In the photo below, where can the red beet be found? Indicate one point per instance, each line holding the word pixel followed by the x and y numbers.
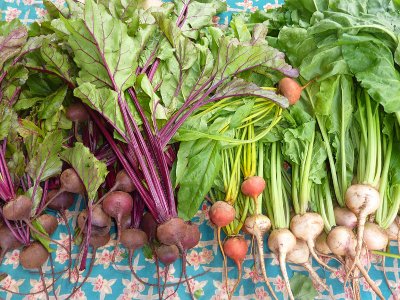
pixel 18 209
pixel 253 187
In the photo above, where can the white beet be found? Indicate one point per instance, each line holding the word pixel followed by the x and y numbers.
pixel 393 230
pixel 281 242
pixel 299 254
pixel 321 246
pixel 308 227
pixel 342 241
pixel 375 238
pixel 258 226
pixel 345 217
pixel 362 200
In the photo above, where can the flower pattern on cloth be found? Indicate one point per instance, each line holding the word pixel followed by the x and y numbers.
pixel 114 280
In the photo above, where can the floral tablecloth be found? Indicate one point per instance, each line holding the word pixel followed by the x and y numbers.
pixel 114 281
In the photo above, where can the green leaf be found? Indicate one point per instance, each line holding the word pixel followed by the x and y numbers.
pixel 44 241
pixel 91 171
pixel 57 61
pixel 373 66
pixel 155 106
pixel 106 55
pixel 52 103
pixel 105 101
pixel 204 164
pixel 45 162
pixel 302 287
pixel 12 39
pixel 147 252
pixel 29 128
pixel 35 198
pixel 240 88
pixel 8 119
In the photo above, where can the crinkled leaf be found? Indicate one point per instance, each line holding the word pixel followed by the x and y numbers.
pixel 28 128
pixel 373 66
pixel 45 162
pixel 8 118
pixel 105 53
pixel 91 171
pixel 235 57
pixel 103 100
pixel 52 104
pixel 57 61
pixel 240 88
pixel 318 158
pixel 203 166
pixel 12 40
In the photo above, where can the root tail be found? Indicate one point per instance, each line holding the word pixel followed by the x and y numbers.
pixel 282 264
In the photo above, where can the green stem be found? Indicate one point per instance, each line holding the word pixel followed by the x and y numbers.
pixel 387 254
pixel 305 178
pixel 325 138
pixel 381 212
pixel 295 188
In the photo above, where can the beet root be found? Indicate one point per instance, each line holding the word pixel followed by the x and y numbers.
pixel 149 225
pixel 18 209
pixel 236 249
pixel 222 213
pixel 133 239
pixel 77 112
pixel 118 204
pixel 290 89
pixel 101 222
pixel 33 256
pixel 192 236
pixel 71 182
pixel 62 201
pixel 253 186
pixel 49 223
pixel 172 232
pixel 7 241
pixel 167 254
pixel 123 182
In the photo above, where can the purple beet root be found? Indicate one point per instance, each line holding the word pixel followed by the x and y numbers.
pixel 192 237
pixel 172 232
pixel 167 254
pixel 18 209
pixel 149 225
pixel 62 201
pixel 48 222
pixel 117 205
pixel 33 256
pixel 7 241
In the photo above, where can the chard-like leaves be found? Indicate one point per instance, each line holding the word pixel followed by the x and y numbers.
pixel 105 101
pixel 241 88
pixel 374 67
pixel 91 171
pixel 8 118
pixel 105 53
pixel 45 162
pixel 201 161
pixel 13 38
pixel 58 62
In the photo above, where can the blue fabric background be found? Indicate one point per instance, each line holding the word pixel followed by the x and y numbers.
pixel 114 281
